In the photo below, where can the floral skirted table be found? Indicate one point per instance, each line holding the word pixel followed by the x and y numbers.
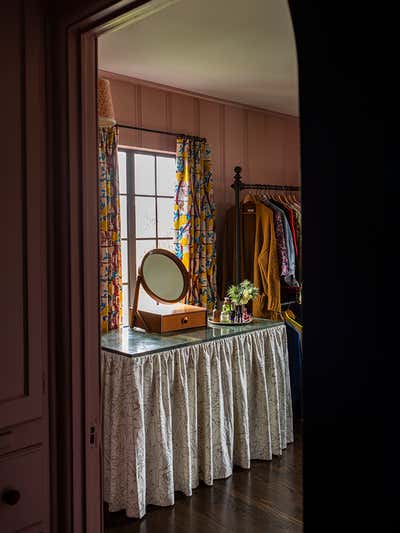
pixel 180 408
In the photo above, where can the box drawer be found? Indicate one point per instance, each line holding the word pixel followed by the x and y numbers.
pixel 22 490
pixel 183 321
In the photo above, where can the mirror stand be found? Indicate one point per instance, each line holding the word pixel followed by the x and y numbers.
pixel 165 279
pixel 135 317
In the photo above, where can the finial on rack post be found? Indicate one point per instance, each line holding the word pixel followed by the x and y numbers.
pixel 237 175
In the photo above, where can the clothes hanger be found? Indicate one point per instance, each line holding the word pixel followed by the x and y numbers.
pixel 248 198
pixel 280 198
pixel 248 204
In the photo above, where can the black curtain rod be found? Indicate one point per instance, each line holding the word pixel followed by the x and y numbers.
pixel 162 132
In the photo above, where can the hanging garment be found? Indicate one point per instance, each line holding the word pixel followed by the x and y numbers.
pixel 290 319
pixel 266 266
pixel 290 217
pixel 227 272
pixel 290 279
pixel 280 237
pixel 295 369
pixel 110 230
pixel 297 226
pixel 194 219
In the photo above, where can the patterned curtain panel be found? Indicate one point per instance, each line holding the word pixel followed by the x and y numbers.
pixel 194 219
pixel 110 231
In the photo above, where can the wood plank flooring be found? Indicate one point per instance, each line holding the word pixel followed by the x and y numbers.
pixel 268 498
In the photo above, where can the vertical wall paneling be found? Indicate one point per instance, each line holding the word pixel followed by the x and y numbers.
pixel 257 160
pixel 183 114
pixel 154 116
pixel 124 102
pixel 234 143
pixel 196 113
pixel 246 141
pixel 138 122
pixel 291 158
pixel 274 148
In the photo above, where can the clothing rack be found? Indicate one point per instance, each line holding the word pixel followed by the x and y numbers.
pixel 238 186
pixel 161 132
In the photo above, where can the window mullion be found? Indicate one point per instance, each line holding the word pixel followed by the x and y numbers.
pixel 130 175
pixel 155 197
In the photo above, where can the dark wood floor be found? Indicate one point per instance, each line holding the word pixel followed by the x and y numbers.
pixel 268 498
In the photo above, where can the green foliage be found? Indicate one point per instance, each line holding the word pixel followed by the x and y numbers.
pixel 242 293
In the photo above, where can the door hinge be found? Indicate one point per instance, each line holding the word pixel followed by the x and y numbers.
pixel 93 436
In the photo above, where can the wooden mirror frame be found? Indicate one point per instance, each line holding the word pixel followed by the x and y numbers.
pixel 140 281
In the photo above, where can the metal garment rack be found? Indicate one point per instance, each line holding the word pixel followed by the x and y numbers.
pixel 126 126
pixel 238 186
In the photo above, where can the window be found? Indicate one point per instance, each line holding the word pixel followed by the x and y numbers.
pixel 147 188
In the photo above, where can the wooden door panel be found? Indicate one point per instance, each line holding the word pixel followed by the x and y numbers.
pixel 31 503
pixel 23 142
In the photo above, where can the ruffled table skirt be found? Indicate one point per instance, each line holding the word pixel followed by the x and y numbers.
pixel 173 418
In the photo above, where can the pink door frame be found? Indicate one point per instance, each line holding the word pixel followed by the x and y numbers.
pixel 75 404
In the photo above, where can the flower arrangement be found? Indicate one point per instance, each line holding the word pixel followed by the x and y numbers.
pixel 244 292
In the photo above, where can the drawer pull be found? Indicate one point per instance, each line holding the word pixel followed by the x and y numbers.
pixel 185 320
pixel 11 496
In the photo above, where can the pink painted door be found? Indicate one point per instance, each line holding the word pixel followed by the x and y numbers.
pixel 23 397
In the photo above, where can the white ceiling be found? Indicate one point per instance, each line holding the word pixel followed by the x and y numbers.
pixel 243 51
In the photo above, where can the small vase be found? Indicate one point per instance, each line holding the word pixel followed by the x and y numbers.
pixel 238 314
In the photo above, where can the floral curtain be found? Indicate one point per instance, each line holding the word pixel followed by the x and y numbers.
pixel 110 234
pixel 194 219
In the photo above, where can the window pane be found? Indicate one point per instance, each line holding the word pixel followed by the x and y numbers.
pixel 145 216
pixel 165 212
pixel 125 296
pixel 124 253
pixel 125 316
pixel 142 247
pixel 167 245
pixel 166 176
pixel 122 172
pixel 144 174
pixel 124 217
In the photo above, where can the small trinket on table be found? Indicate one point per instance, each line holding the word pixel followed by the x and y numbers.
pixel 216 313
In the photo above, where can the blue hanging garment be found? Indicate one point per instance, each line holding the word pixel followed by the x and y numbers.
pixel 295 369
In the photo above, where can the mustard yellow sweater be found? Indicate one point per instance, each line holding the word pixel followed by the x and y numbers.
pixel 266 266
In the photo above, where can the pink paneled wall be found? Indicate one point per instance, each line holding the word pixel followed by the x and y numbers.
pixel 265 144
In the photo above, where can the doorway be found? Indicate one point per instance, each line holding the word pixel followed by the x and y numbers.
pixel 233 123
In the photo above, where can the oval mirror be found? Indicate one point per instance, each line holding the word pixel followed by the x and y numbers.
pixel 164 276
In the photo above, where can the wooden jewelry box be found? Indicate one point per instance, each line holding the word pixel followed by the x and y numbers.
pixel 163 318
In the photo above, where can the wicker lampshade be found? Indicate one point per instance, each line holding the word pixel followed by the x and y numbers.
pixel 105 107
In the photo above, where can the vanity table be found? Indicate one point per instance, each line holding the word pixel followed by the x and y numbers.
pixel 183 407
